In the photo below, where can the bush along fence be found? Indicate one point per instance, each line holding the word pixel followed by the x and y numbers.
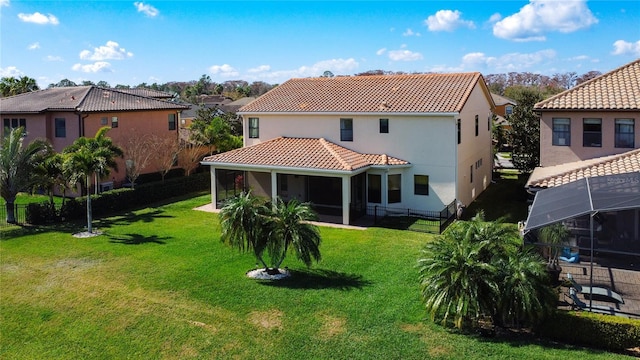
pixel 111 201
pixel 20 213
pixel 411 219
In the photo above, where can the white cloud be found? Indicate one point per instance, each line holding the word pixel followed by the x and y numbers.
pixel 98 66
pixel 34 46
pixel 53 58
pixel 447 20
pixel 495 18
pixel 622 47
pixel 146 9
pixel 381 51
pixel 404 55
pixel 224 70
pixel 4 2
pixel 542 16
pixel 10 71
pixel 507 62
pixel 260 69
pixel 110 51
pixel 38 18
pixel 410 32
pixel 336 66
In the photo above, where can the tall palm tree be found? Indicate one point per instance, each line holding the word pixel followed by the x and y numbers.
pixel 88 156
pixel 243 220
pixel 16 167
pixel 290 229
pixel 49 172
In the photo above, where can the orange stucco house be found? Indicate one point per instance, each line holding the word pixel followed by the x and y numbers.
pixel 64 114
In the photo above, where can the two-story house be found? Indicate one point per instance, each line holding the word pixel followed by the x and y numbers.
pixel 348 144
pixel 63 114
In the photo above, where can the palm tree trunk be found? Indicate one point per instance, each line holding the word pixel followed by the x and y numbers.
pixel 11 216
pixel 89 227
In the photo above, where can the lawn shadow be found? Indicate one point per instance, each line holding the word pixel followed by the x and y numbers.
pixel 132 217
pixel 21 230
pixel 320 279
pixel 136 239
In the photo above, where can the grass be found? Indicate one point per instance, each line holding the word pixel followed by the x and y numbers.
pixel 159 284
pixel 506 198
pixel 23 199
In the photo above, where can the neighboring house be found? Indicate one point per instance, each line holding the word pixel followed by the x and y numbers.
pixel 504 105
pixel 63 114
pixel 587 132
pixel 349 144
pixel 157 94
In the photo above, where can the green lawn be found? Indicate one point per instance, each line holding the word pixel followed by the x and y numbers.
pixel 23 199
pixel 158 284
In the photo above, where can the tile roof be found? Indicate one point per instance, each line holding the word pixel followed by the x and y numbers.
pixel 305 153
pixel 415 93
pixel 82 98
pixel 502 100
pixel 615 90
pixel 147 93
pixel 546 177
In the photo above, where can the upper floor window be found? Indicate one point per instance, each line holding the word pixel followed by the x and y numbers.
pixel 15 123
pixel 561 132
pixel 114 122
pixel 374 188
pixel 104 121
pixel 421 184
pixel 346 129
pixel 477 128
pixel 459 131
pixel 508 110
pixel 384 126
pixel 254 128
pixel 61 127
pixel 592 132
pixel 172 121
pixel 625 133
pixel 394 185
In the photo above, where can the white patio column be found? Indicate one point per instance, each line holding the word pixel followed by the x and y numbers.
pixel 274 186
pixel 213 187
pixel 346 198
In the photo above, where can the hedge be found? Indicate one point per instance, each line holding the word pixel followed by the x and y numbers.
pixel 607 332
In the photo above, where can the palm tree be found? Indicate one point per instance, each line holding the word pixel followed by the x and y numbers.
pixel 49 172
pixel 243 221
pixel 290 229
pixel 88 156
pixel 16 167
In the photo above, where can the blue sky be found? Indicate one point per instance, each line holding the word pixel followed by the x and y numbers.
pixel 130 42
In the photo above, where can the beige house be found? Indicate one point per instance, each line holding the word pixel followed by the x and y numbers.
pixel 353 144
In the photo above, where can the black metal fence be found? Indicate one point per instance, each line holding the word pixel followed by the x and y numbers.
pixel 20 213
pixel 411 219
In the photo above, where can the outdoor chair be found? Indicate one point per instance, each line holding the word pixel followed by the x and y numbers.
pixel 598 291
pixel 568 256
pixel 600 309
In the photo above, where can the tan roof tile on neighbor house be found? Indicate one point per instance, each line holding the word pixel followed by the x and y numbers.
pixel 546 177
pixel 303 153
pixel 414 93
pixel 615 90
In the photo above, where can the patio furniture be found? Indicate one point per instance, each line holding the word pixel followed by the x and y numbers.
pixel 570 257
pixel 600 309
pixel 595 290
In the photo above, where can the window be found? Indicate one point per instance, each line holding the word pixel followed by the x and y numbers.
pixel 374 189
pixel 172 121
pixel 471 174
pixel 561 132
pixel 254 128
pixel 114 122
pixel 384 126
pixel 421 184
pixel 477 130
pixel 625 133
pixel 346 129
pixel 592 132
pixel 61 127
pixel 489 123
pixel 284 182
pixel 104 121
pixel 15 123
pixel 394 185
pixel 508 110
pixel 459 131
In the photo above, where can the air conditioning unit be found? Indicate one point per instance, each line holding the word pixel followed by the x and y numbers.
pixel 106 186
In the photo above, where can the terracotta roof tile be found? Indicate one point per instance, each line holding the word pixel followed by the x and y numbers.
pixel 415 93
pixel 82 98
pixel 302 153
pixel 546 177
pixel 615 90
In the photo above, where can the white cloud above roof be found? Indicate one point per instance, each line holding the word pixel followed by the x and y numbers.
pixel 410 32
pixel 38 18
pixel 447 20
pixel 539 17
pixel 404 55
pixel 10 71
pixel 223 70
pixel 98 66
pixel 53 58
pixel 146 9
pixel 507 62
pixel 110 51
pixel 259 69
pixel 34 46
pixel 622 47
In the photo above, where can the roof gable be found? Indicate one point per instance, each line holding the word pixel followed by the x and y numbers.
pixel 414 93
pixel 616 90
pixel 84 99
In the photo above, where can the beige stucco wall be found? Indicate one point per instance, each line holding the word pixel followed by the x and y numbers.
pixel 553 155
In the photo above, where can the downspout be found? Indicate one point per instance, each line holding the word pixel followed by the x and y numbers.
pixel 456 145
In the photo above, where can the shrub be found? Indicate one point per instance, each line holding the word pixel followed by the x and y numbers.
pixel 38 214
pixel 73 209
pixel 608 332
